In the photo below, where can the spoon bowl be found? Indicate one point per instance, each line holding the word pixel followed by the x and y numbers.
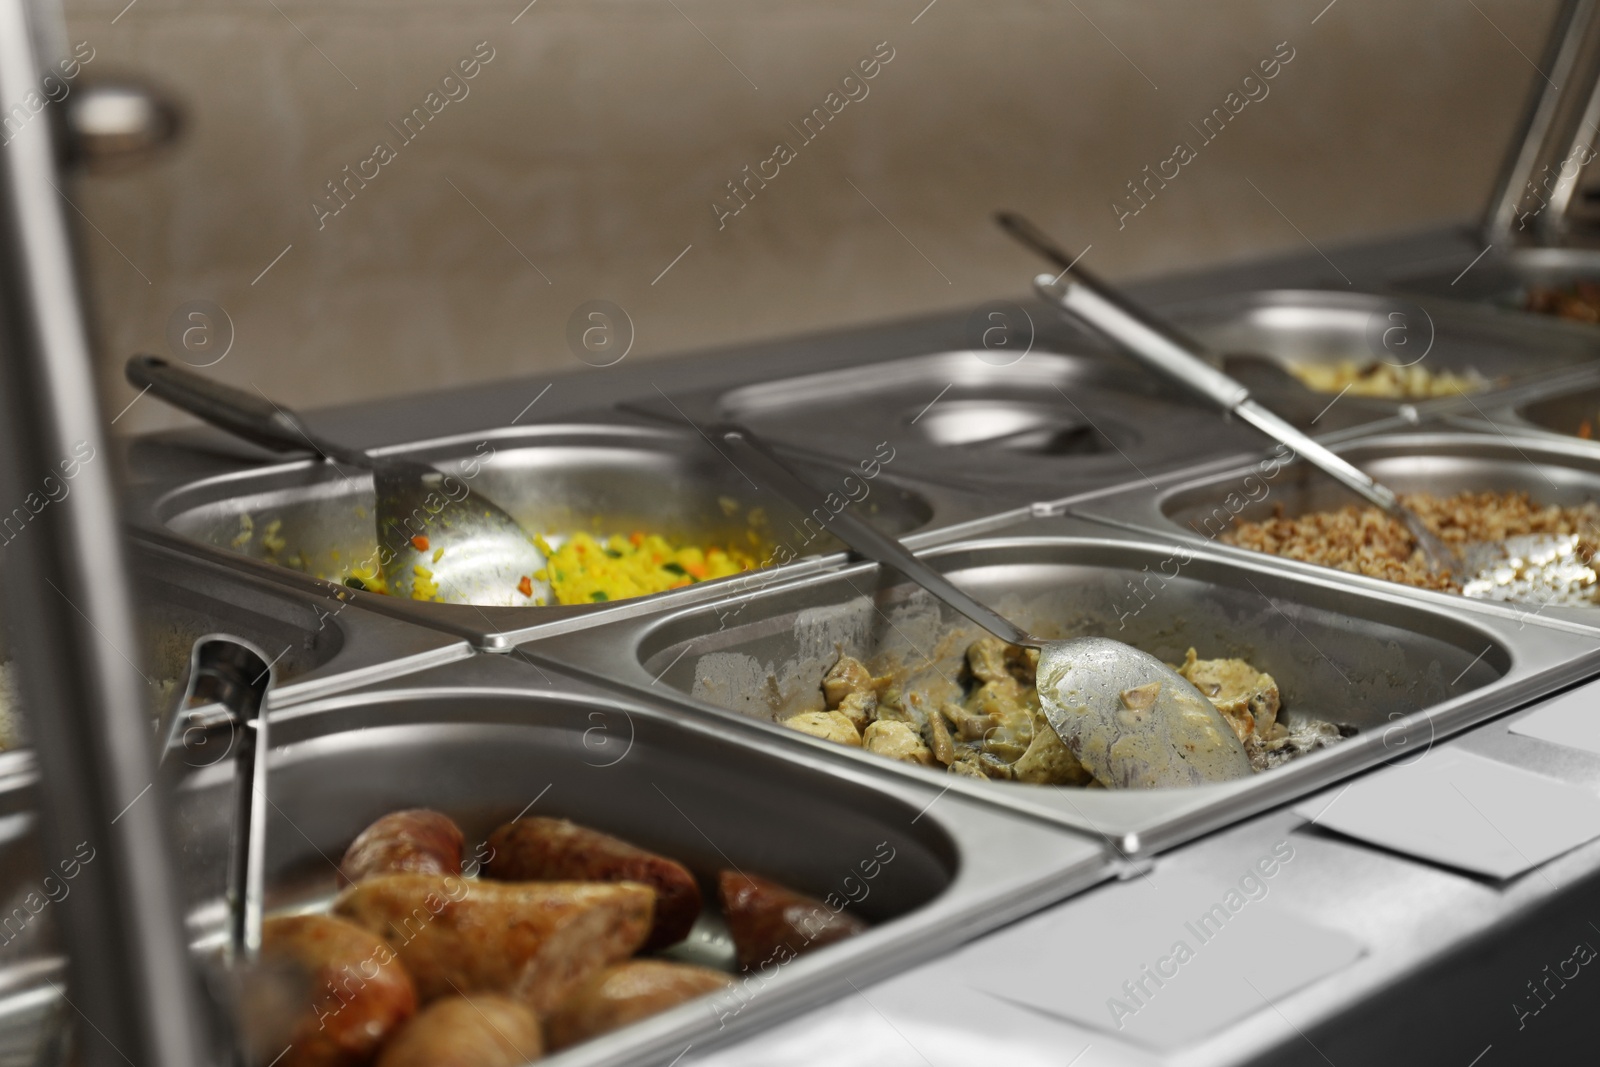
pixel 438 539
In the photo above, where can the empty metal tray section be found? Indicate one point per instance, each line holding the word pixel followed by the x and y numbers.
pixel 1019 428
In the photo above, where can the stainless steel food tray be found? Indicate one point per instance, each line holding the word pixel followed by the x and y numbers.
pixel 554 479
pixel 1401 671
pixel 1201 507
pixel 1310 327
pixel 488 738
pixel 1501 279
pixel 317 645
pixel 1557 412
pixel 1043 426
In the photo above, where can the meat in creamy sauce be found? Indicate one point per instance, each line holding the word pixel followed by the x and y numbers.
pixel 998 731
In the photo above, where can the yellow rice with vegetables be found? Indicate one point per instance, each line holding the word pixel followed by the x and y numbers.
pixel 585 570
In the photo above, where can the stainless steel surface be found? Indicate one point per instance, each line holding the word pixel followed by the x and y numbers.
pixel 1349 878
pixel 486 739
pixel 1376 659
pixel 1502 281
pixel 1533 200
pixel 1203 507
pixel 1555 413
pixel 1083 683
pixel 436 537
pixel 115 126
pixel 1017 430
pixel 302 524
pixel 1445 955
pixel 1259 335
pixel 317 645
pixel 1566 414
pixel 64 580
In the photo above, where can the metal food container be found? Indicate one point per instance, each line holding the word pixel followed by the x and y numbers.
pixel 1400 672
pixel 1259 337
pixel 485 740
pixel 1566 414
pixel 1206 505
pixel 1502 280
pixel 305 523
pixel 1559 413
pixel 317 645
pixel 1018 428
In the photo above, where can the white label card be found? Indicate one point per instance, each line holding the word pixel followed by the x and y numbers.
pixel 1463 810
pixel 1162 960
pixel 1572 719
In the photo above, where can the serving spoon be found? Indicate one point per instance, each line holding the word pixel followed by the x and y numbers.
pixel 1129 718
pixel 432 527
pixel 1167 351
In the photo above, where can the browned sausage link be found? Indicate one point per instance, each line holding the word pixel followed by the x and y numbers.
pixel 534 941
pixel 484 1030
pixel 772 924
pixel 539 849
pixel 625 992
pixel 418 841
pixel 359 991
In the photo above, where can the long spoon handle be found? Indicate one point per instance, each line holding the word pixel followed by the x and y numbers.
pixel 1157 345
pixel 753 456
pixel 251 416
pixel 1166 350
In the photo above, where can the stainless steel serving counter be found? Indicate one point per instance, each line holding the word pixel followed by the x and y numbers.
pixel 1444 975
pixel 1395 672
pixel 1059 485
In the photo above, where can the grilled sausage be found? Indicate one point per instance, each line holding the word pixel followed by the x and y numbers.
pixel 618 995
pixel 530 940
pixel 418 841
pixel 360 992
pixel 484 1030
pixel 539 849
pixel 770 923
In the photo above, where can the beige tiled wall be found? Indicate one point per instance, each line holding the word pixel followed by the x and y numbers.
pixel 588 152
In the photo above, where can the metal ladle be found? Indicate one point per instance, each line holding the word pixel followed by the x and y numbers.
pixel 1167 351
pixel 430 525
pixel 1131 720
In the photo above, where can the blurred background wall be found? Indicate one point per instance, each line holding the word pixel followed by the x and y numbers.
pixel 583 160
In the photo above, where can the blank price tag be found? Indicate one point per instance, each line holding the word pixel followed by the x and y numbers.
pixel 1163 960
pixel 1572 719
pixel 1463 810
